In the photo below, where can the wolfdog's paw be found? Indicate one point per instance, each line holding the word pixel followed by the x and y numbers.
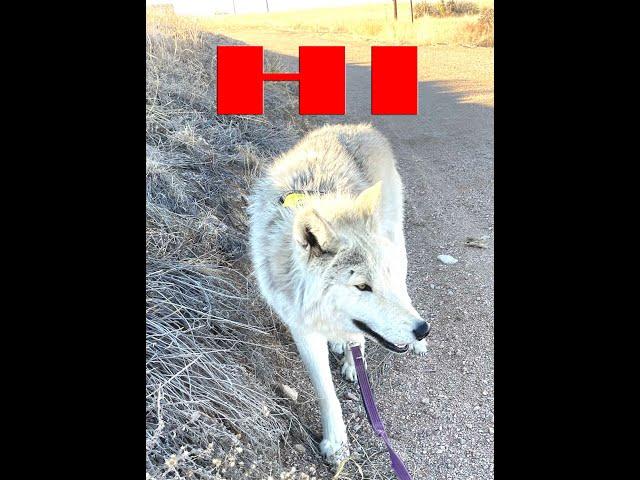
pixel 334 451
pixel 419 348
pixel 349 372
pixel 337 347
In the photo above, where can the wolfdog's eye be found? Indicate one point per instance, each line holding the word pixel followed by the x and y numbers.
pixel 364 287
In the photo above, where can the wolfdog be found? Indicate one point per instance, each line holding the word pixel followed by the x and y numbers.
pixel 328 250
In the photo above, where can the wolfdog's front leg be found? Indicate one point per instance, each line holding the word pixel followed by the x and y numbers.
pixel 315 355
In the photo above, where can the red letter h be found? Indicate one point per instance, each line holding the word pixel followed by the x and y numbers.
pixel 240 80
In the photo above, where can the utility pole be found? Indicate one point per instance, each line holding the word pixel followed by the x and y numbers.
pixel 395 9
pixel 267 2
pixel 234 6
pixel 411 3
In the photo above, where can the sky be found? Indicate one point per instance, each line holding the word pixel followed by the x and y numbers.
pixel 204 7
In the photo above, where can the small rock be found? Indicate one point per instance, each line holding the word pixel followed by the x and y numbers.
pixel 447 259
pixel 289 392
pixel 476 242
pixel 298 447
pixel 491 430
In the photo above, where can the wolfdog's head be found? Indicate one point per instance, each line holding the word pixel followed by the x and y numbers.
pixel 354 264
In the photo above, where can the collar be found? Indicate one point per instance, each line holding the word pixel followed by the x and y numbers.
pixel 295 198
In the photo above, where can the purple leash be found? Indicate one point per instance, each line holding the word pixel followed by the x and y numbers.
pixel 372 413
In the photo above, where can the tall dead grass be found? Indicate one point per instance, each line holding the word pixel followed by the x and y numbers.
pixel 211 405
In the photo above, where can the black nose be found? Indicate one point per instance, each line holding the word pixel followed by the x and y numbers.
pixel 422 330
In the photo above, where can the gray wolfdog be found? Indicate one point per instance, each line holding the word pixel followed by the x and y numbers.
pixel 327 246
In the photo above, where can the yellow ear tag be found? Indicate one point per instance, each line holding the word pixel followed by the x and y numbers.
pixel 294 200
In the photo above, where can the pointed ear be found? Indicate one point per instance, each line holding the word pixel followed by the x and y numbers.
pixel 370 200
pixel 313 233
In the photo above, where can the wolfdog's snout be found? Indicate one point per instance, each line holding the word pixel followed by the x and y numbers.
pixel 422 330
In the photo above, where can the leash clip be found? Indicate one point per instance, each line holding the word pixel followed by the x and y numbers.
pixel 350 345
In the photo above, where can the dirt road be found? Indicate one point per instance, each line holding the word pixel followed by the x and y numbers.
pixel 438 409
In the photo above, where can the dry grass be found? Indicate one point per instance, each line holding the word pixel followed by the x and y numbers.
pixel 374 22
pixel 211 403
pixel 448 8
